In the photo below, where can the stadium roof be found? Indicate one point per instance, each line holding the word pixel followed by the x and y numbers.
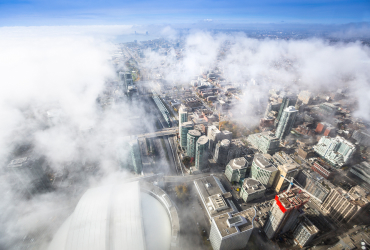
pixel 106 218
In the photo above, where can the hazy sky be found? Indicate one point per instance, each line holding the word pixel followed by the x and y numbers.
pixel 83 12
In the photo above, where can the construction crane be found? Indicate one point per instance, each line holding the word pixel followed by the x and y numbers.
pixel 291 185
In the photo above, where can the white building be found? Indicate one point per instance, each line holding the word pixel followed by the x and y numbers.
pixel 231 231
pixel 337 151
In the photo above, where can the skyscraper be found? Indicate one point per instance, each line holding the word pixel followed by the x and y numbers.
pixel 201 153
pixel 215 135
pixel 287 101
pixel 183 117
pixel 221 151
pixel 286 122
pixel 285 211
pixel 184 128
pixel 192 138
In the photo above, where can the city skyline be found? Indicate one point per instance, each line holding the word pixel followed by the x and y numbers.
pixel 234 125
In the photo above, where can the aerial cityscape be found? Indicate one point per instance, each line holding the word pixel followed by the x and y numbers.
pixel 247 128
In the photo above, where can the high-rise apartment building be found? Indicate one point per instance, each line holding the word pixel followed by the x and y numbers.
pixel 231 231
pixel 183 117
pixel 362 170
pixel 285 211
pixel 201 153
pixel 337 151
pixel 263 170
pixel 221 152
pixel 215 135
pixel 191 144
pixel 287 101
pixel 342 206
pixel 286 122
pixel 315 184
pixel 184 129
pixel 304 231
pixel 266 142
pixel 236 169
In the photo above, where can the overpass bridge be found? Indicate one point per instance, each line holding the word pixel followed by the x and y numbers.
pixel 160 133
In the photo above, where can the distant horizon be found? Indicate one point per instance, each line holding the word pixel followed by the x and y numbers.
pixel 143 12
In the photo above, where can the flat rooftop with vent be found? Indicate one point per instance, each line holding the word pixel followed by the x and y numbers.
pixel 232 231
pixel 214 197
pixel 228 224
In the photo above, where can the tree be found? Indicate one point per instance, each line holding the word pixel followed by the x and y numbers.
pixel 181 192
pixel 186 161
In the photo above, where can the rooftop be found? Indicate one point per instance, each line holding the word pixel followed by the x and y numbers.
pixel 289 167
pixel 251 186
pixel 290 109
pixel 187 124
pixel 228 224
pixel 202 140
pixel 238 163
pixel 225 142
pixel 211 187
pixel 194 133
pixel 292 199
pixel 263 163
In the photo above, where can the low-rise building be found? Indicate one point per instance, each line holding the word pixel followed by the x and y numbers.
pixel 337 151
pixel 252 190
pixel 266 142
pixel 322 169
pixel 306 152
